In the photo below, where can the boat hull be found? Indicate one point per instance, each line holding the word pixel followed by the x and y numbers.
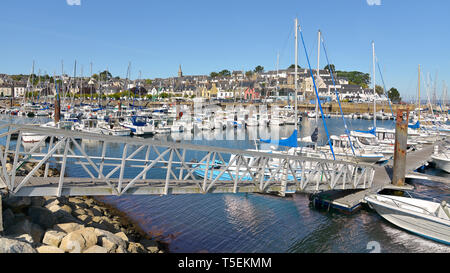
pixel 32 138
pixel 442 163
pixel 416 223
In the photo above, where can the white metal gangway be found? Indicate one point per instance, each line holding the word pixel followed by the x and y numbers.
pixel 148 166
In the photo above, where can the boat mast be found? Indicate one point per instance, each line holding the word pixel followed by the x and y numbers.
pixel 90 81
pixel 318 75
pixel 374 89
pixel 39 85
pixel 296 75
pixel 62 82
pixel 74 81
pixel 278 63
pixel 32 83
pixel 418 98
pixel 81 85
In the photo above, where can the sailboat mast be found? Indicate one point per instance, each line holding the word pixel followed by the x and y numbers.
pixel 32 82
pixel 90 79
pixel 318 69
pixel 81 85
pixel 296 75
pixel 418 98
pixel 62 82
pixel 278 63
pixel 374 89
pixel 74 81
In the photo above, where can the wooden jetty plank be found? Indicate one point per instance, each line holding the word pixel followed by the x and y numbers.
pixel 416 175
pixel 383 177
pixel 419 158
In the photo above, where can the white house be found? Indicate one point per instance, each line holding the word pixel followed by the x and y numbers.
pixel 19 91
pixel 222 94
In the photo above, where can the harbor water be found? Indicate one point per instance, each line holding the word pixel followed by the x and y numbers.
pixel 256 223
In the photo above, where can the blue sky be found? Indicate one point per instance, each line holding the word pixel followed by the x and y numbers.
pixel 205 36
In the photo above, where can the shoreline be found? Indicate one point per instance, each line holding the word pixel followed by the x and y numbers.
pixel 71 225
pixel 79 224
pixel 133 225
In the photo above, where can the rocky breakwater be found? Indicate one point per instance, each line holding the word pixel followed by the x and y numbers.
pixel 66 224
pixel 69 225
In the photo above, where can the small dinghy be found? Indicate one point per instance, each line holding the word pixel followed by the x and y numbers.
pixel 425 218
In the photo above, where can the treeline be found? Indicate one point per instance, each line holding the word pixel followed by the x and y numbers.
pixel 227 73
pixel 353 77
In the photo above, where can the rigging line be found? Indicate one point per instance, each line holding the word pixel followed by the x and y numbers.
pixel 384 86
pixel 286 42
pixel 317 95
pixel 337 95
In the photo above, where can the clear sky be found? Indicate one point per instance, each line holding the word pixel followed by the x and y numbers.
pixel 209 35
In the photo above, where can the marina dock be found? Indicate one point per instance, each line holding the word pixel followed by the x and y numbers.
pixel 351 200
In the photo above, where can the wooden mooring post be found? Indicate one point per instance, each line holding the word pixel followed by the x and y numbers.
pixel 401 138
pixel 57 115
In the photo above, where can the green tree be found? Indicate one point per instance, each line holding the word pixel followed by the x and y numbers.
pixel 259 69
pixel 16 77
pixel 95 77
pixel 164 95
pixel 248 74
pixel 379 90
pixel 105 75
pixel 292 66
pixel 116 95
pixel 327 67
pixel 225 73
pixel 214 74
pixel 148 81
pixel 355 77
pixel 394 95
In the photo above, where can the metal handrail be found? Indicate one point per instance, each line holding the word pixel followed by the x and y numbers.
pixel 395 202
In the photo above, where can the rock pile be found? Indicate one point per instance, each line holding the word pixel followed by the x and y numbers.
pixel 69 225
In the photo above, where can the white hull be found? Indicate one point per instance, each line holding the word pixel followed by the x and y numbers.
pixel 415 215
pixel 116 132
pixel 163 130
pixel 92 130
pixel 31 137
pixel 442 163
pixel 139 130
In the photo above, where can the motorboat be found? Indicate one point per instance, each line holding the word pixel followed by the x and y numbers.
pixel 425 218
pixel 442 162
pixel 162 126
pixel 28 137
pixel 354 152
pixel 139 125
pixel 88 126
pixel 441 159
pixel 369 142
pixel 113 128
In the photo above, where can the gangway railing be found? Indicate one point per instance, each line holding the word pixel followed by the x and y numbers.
pixel 87 166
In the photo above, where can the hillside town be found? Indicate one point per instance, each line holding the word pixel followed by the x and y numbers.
pixel 271 86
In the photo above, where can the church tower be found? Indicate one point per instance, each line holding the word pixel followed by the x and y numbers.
pixel 180 73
